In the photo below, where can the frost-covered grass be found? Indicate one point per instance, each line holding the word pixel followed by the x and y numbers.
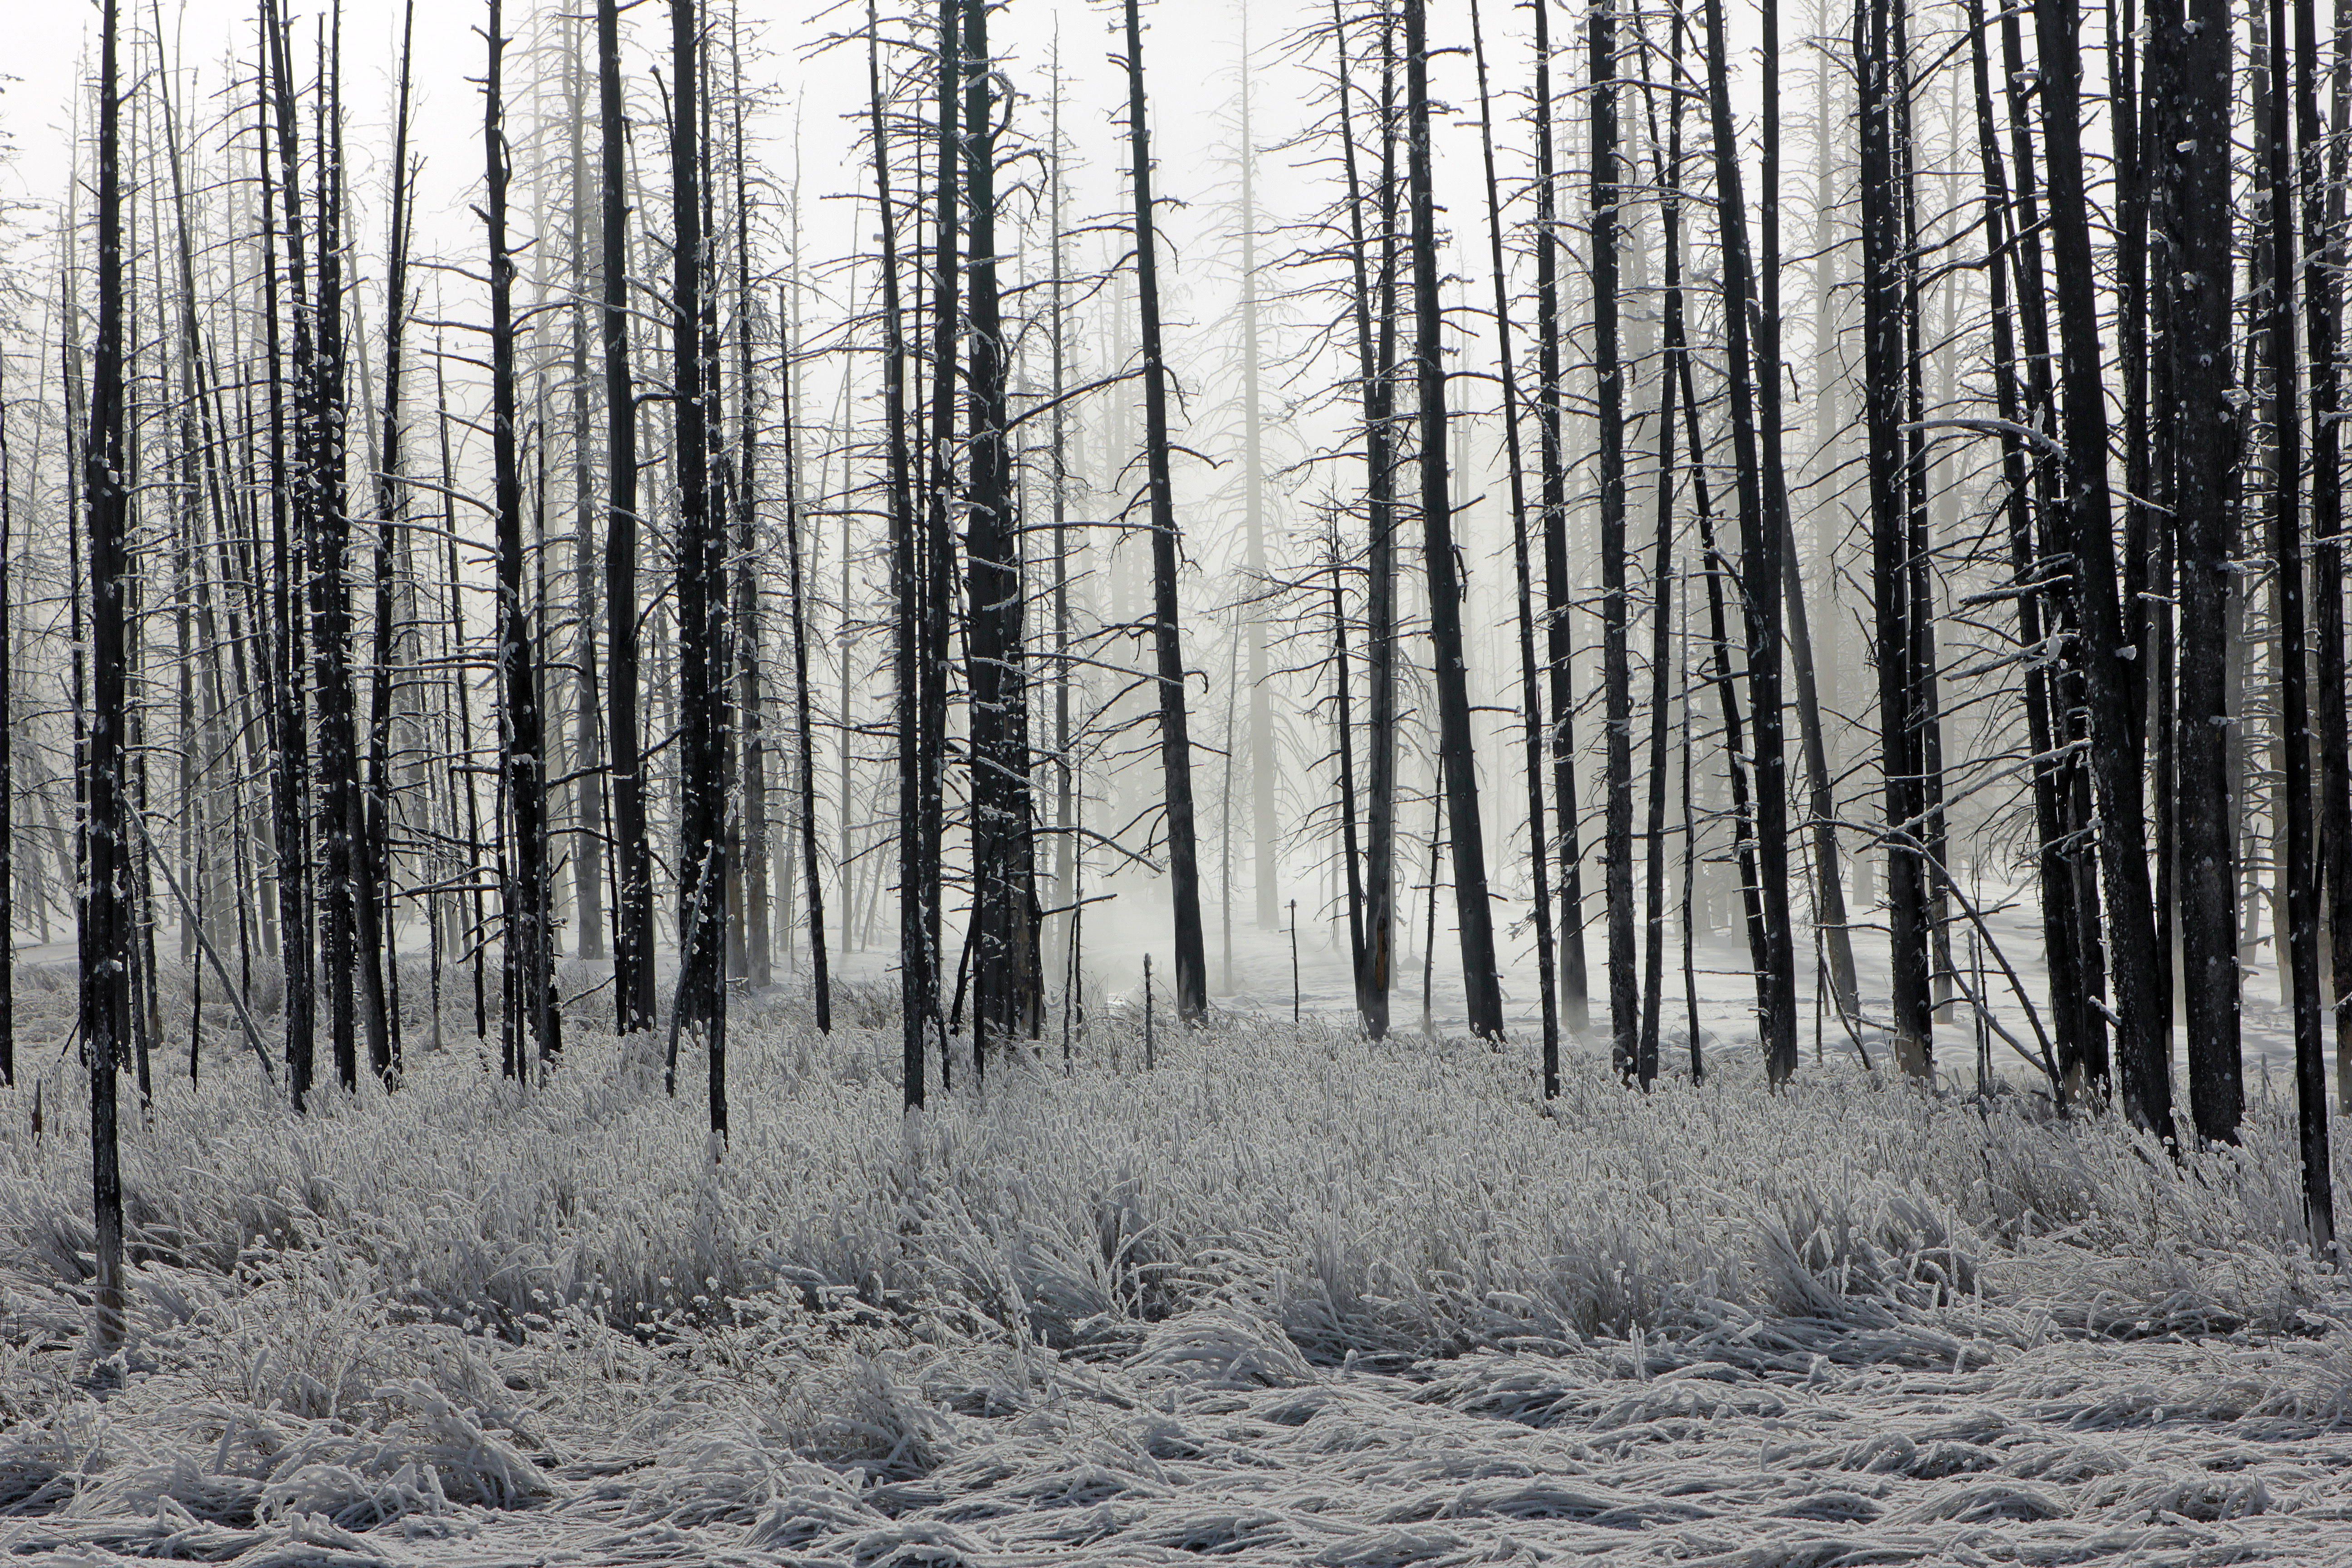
pixel 473 1306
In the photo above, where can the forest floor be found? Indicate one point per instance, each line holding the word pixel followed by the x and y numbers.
pixel 1291 1297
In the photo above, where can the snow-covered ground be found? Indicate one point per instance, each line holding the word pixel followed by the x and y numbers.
pixel 1290 1297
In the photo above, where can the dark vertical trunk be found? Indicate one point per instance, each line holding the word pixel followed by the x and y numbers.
pixel 918 959
pixel 2142 1036
pixel 2055 878
pixel 1770 579
pixel 1559 645
pixel 1530 685
pixel 2323 195
pixel 2196 276
pixel 1374 300
pixel 383 1044
pixel 1670 175
pixel 591 829
pixel 528 943
pixel 1002 1002
pixel 819 980
pixel 288 507
pixel 1608 404
pixel 701 588
pixel 2087 1073
pixel 2300 868
pixel 936 543
pixel 1175 745
pixel 1886 378
pixel 633 913
pixel 107 928
pixel 1482 984
pixel 1762 529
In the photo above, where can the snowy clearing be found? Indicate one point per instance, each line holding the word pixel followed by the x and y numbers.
pixel 1291 1298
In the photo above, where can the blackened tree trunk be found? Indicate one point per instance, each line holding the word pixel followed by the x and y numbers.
pixel 1003 999
pixel 633 913
pixel 2143 1035
pixel 2088 1073
pixel 1608 404
pixel 935 546
pixel 383 1044
pixel 1481 981
pixel 1559 644
pixel 1670 178
pixel 701 590
pixel 1175 745
pixel 2300 870
pixel 2196 139
pixel 528 943
pixel 288 504
pixel 1530 687
pixel 1374 291
pixel 917 891
pixel 820 981
pixel 1762 530
pixel 106 924
pixel 1885 379
pixel 2054 876
pixel 2322 175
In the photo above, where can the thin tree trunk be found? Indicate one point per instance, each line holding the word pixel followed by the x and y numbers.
pixel 1559 644
pixel 1608 401
pixel 528 943
pixel 107 927
pixel 2055 877
pixel 633 913
pixel 1175 745
pixel 1886 380
pixel 1530 689
pixel 1762 529
pixel 2300 868
pixel 2142 1036
pixel 918 953
pixel 1481 981
pixel 2322 183
pixel 819 980
pixel 1374 300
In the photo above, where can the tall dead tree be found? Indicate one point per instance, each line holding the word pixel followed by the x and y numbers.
pixel 1004 938
pixel 1481 980
pixel 1616 676
pixel 701 586
pixel 2194 269
pixel 106 924
pixel 918 847
pixel 1175 744
pixel 1530 688
pixel 1372 274
pixel 2321 177
pixel 633 910
pixel 529 937
pixel 1558 642
pixel 2300 870
pixel 2142 1032
pixel 1885 381
pixel 1762 530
